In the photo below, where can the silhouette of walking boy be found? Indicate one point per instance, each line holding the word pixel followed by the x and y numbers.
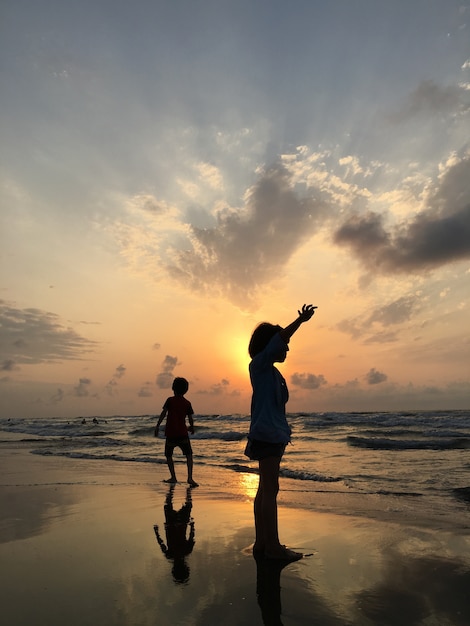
pixel 176 409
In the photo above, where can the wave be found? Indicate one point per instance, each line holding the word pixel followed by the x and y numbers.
pixel 243 469
pixel 98 456
pixel 230 435
pixel 285 473
pixel 386 492
pixel 419 419
pixel 302 475
pixel 409 444
pixel 144 431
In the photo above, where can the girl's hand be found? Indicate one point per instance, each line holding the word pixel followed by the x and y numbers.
pixel 307 312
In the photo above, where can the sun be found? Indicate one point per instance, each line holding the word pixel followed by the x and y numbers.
pixel 239 353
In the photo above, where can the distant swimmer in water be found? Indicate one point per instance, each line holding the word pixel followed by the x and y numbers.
pixel 176 409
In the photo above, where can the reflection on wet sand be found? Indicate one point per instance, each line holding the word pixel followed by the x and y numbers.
pixel 414 588
pixel 178 545
pixel 80 548
pixel 29 511
pixel 268 590
pixel 312 608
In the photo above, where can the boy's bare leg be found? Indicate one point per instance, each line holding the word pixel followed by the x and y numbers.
pixel 171 467
pixel 189 462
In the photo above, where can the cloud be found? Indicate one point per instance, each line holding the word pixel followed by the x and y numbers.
pixel 374 326
pixel 146 390
pixel 395 312
pixel 164 379
pixel 210 175
pixel 431 98
pixel 32 336
pixel 81 390
pixel 58 396
pixel 149 204
pixel 440 234
pixel 308 381
pixel 219 389
pixel 111 386
pixel 120 371
pixel 8 366
pixel 248 247
pixel 374 377
pixel 355 396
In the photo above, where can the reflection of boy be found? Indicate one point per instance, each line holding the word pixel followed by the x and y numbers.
pixel 176 409
pixel 178 545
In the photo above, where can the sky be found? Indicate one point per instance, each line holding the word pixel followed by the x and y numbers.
pixel 173 173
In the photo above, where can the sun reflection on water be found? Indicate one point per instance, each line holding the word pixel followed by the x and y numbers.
pixel 248 484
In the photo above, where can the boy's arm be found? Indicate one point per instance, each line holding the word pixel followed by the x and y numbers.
pixel 191 423
pixel 160 420
pixel 305 314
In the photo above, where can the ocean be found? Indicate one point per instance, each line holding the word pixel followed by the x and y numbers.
pixel 413 464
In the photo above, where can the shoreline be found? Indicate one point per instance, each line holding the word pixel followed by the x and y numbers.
pixel 223 483
pixel 78 541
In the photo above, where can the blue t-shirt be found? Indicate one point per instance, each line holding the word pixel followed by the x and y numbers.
pixel 270 394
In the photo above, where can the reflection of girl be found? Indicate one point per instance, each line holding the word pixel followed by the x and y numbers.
pixel 269 431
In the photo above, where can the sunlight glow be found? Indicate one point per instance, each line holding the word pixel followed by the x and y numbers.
pixel 249 484
pixel 239 350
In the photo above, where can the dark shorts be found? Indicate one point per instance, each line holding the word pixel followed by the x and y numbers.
pixel 178 442
pixel 258 450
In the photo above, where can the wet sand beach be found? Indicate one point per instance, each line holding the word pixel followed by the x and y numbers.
pixel 86 542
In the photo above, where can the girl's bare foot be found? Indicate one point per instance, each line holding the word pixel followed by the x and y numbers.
pixel 193 483
pixel 283 554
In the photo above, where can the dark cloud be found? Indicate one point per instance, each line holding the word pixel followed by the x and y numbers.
pixel 438 235
pixel 82 389
pixel 382 337
pixel 150 204
pixel 146 390
pixel 8 366
pixel 373 327
pixel 429 98
pixel 249 248
pixel 164 379
pixel 120 371
pixel 308 381
pixel 395 312
pixel 32 336
pixel 218 389
pixel 111 386
pixel 374 377
pixel 58 396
